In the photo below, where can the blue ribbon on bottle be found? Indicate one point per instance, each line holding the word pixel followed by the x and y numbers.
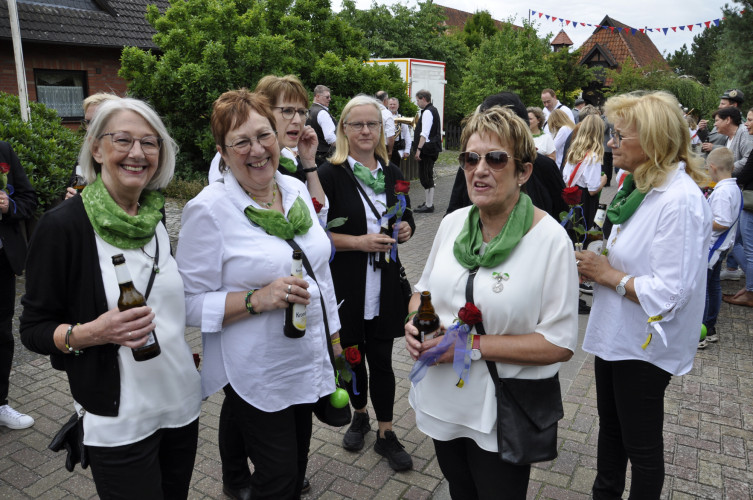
pixel 456 336
pixel 396 210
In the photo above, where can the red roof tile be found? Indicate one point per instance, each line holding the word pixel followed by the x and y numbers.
pixel 561 39
pixel 457 18
pixel 621 44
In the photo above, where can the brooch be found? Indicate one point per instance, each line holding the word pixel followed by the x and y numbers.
pixel 498 279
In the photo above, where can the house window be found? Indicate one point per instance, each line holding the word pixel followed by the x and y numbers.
pixel 62 91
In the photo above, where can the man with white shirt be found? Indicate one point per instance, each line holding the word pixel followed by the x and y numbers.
pixel 428 140
pixel 550 102
pixel 403 140
pixel 322 122
pixel 388 121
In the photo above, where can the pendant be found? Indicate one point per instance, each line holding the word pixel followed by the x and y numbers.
pixel 498 278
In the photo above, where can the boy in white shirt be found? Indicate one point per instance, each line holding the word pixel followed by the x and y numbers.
pixel 725 202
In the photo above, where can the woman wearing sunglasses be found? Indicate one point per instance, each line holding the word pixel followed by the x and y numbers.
pixel 140 418
pixel 648 297
pixel 234 253
pixel 520 264
pixel 360 185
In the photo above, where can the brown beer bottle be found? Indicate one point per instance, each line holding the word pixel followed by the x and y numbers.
pixel 426 320
pixel 130 298
pixel 295 314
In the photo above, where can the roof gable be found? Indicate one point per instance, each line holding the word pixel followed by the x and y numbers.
pixel 621 44
pixel 93 23
pixel 457 18
pixel 561 39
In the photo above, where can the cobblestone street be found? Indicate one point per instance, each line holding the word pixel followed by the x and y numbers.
pixel 708 433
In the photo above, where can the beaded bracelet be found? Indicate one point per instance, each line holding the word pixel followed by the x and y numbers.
pixel 249 306
pixel 68 340
pixel 335 341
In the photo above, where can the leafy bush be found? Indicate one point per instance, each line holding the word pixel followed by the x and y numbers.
pixel 48 151
pixel 184 189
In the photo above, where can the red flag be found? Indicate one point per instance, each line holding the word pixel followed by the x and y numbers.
pixel 674 28
pixel 582 24
pixel 690 27
pixel 554 18
pixel 641 30
pixel 541 14
pixel 567 22
pixel 707 23
pixel 611 28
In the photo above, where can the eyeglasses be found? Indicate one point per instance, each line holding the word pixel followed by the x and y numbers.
pixel 617 138
pixel 495 160
pixel 288 112
pixel 243 145
pixel 123 142
pixel 358 126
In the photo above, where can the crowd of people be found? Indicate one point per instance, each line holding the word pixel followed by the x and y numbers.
pixel 289 178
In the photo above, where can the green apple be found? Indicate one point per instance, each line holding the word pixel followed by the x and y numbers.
pixel 703 331
pixel 339 398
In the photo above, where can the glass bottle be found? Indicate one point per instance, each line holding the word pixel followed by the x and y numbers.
pixel 295 314
pixel 426 320
pixel 130 298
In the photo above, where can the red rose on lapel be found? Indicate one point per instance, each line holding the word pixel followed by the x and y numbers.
pixel 571 195
pixel 402 187
pixel 469 314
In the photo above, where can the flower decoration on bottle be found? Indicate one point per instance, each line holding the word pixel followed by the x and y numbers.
pixel 576 217
pixel 339 221
pixel 402 188
pixel 458 337
pixel 344 364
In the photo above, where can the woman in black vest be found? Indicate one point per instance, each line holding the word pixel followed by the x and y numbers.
pixel 359 181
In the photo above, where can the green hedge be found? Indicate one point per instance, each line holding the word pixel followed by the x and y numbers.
pixel 48 151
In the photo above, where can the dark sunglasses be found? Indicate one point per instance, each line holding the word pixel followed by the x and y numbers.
pixel 496 160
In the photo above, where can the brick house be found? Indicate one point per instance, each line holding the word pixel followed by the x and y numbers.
pixel 72 48
pixel 610 48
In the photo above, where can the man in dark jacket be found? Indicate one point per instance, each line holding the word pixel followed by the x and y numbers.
pixel 428 141
pixel 17 203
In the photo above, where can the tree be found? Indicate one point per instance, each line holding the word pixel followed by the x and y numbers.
pixel 732 66
pixel 697 61
pixel 210 46
pixel 48 151
pixel 568 73
pixel 477 28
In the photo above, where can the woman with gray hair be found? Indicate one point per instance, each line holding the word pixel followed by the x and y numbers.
pixel 140 418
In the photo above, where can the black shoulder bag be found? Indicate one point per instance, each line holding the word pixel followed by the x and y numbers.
pixel 405 287
pixel 323 409
pixel 527 410
pixel 70 437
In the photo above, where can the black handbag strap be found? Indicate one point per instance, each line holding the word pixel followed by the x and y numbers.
pixel 492 366
pixel 155 267
pixel 310 271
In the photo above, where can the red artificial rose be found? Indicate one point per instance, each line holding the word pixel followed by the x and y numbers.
pixel 352 356
pixel 196 360
pixel 402 187
pixel 317 206
pixel 4 168
pixel 572 195
pixel 469 314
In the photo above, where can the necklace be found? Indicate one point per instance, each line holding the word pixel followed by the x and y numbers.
pixel 265 204
pixel 154 262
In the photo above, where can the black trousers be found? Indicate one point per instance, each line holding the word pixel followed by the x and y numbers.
pixel 426 171
pixel 377 352
pixel 477 474
pixel 606 166
pixel 157 467
pixel 7 307
pixel 276 442
pixel 630 401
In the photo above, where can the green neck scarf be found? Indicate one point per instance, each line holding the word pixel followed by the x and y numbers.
pixel 274 223
pixel 468 243
pixel 625 202
pixel 113 224
pixel 288 164
pixel 364 174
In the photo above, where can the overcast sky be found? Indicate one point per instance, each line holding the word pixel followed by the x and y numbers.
pixel 634 13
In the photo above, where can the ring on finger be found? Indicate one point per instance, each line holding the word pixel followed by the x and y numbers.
pixel 290 288
pixel 286 297
pixel 577 262
pixel 129 334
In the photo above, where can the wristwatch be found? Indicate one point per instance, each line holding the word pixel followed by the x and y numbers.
pixel 476 348
pixel 620 288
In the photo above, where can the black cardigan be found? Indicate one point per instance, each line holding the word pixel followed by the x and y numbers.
pixel 25 200
pixel 64 285
pixel 348 268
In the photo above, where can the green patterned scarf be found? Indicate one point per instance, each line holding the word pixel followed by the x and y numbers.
pixel 113 224
pixel 364 174
pixel 288 164
pixel 626 201
pixel 468 243
pixel 274 223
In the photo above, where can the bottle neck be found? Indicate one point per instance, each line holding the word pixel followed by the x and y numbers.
pixel 122 274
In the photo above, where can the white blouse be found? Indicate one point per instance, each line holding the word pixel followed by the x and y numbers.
pixel 165 391
pixel 220 251
pixel 665 246
pixel 725 203
pixel 559 143
pixel 588 175
pixel 544 143
pixel 539 296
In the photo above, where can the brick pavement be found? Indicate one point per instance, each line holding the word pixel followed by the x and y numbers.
pixel 708 430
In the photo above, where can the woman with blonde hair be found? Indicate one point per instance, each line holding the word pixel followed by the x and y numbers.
pixel 360 184
pixel 646 310
pixel 560 127
pixel 543 141
pixel 583 165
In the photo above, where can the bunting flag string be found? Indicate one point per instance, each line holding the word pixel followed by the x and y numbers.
pixel 632 31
